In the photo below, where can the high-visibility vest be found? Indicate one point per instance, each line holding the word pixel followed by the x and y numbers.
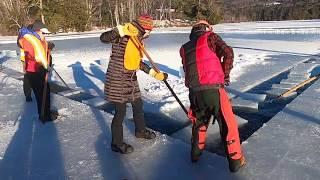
pixel 22 55
pixel 40 50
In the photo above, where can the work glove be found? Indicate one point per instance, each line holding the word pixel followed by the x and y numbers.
pixel 51 45
pixel 127 30
pixel 226 80
pixel 226 83
pixel 158 75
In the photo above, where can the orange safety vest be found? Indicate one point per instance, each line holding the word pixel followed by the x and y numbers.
pixel 22 55
pixel 40 50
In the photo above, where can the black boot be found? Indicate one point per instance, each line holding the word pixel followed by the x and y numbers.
pixel 53 115
pixel 123 149
pixel 195 150
pixel 195 153
pixel 236 164
pixel 42 119
pixel 146 134
pixel 28 99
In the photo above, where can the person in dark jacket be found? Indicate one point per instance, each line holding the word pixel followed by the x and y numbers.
pixel 121 86
pixel 36 52
pixel 207 61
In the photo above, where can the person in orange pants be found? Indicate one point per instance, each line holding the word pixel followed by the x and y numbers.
pixel 207 61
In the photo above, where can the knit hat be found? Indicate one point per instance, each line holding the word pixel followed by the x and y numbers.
pixel 146 22
pixel 202 22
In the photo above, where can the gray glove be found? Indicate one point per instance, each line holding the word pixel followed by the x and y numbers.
pixel 51 45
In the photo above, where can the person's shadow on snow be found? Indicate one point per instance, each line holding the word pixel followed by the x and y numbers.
pixel 82 80
pixel 112 164
pixel 2 60
pixel 97 72
pixel 34 150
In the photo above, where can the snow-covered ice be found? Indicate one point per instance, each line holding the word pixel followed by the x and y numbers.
pixel 78 146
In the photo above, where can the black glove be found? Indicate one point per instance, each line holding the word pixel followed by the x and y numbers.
pixel 226 83
pixel 51 45
pixel 165 76
pixel 226 80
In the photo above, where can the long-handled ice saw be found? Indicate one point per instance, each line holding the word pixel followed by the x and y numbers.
pixel 44 94
pixel 60 77
pixel 137 41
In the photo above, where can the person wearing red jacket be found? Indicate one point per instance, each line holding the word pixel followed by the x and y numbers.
pixel 207 61
pixel 36 52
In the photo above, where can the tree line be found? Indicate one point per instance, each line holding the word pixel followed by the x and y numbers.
pixel 81 15
pixel 273 11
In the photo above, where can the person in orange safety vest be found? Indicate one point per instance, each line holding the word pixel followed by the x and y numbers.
pixel 35 52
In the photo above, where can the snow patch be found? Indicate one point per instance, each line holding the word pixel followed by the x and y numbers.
pixel 243 61
pixel 64 111
pixel 7 123
pixel 316 131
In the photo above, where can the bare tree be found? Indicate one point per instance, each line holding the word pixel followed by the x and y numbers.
pixel 41 11
pixel 132 9
pixel 116 13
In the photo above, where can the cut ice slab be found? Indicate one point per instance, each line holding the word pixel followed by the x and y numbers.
pixel 282 86
pixel 301 75
pixel 248 96
pixel 299 79
pixel 291 81
pixel 243 103
pixel 304 67
pixel 213 141
pixel 253 97
pixel 275 92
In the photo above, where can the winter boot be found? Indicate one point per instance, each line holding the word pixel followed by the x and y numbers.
pixel 198 139
pixel 28 99
pixel 195 153
pixel 123 149
pixel 236 164
pixel 42 119
pixel 146 134
pixel 53 115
